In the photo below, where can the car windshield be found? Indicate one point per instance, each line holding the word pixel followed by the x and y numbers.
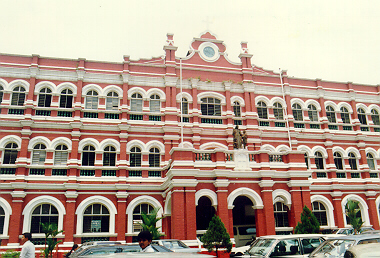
pixel 333 248
pixel 261 247
pixel 173 244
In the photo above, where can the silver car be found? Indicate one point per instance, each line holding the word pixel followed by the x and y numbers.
pixel 337 246
pixel 298 245
pixel 176 245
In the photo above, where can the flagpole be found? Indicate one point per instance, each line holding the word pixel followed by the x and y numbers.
pixel 180 83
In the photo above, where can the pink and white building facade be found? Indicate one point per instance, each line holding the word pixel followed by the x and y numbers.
pixel 90 145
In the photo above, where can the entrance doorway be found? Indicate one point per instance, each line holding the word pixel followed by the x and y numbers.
pixel 244 221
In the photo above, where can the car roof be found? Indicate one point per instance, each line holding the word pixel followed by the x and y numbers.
pixel 290 236
pixel 356 237
pixel 366 250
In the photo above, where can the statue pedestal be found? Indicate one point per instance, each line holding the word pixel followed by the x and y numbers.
pixel 241 160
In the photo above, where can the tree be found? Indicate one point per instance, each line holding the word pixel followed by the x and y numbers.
pixel 309 223
pixel 50 231
pixel 353 215
pixel 149 223
pixel 216 236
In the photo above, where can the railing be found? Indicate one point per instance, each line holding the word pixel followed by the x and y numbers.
pixel 238 122
pixel 59 172
pixel 333 127
pixel 279 124
pixel 340 175
pixel 202 156
pixel 43 112
pixel 13 111
pixel 299 125
pixel 136 117
pixel 251 157
pixel 364 128
pixel 8 171
pixel 90 115
pixel 212 121
pixel 185 120
pixel 37 171
pixel 355 175
pixel 154 118
pixel 373 175
pixel 376 129
pixel 91 239
pixel 108 172
pixel 135 173
pixel 315 126
pixel 263 123
pixel 347 128
pixel 38 241
pixel 321 175
pixel 229 157
pixel 111 116
pixel 154 173
pixel 65 113
pixel 85 172
pixel 275 158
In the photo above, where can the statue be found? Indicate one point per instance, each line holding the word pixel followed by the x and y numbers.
pixel 237 138
pixel 244 139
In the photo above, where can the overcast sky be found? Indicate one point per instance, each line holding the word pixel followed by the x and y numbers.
pixel 332 40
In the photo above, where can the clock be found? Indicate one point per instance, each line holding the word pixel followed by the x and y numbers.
pixel 209 52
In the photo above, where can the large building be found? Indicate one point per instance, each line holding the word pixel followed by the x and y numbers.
pixel 90 145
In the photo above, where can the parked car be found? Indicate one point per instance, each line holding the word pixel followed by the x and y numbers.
pixel 337 246
pixel 151 255
pixel 371 232
pixel 105 249
pixel 343 231
pixel 176 245
pixel 244 234
pixel 298 245
pixel 363 251
pixel 239 251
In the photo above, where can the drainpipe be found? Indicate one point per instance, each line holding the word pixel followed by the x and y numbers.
pixel 286 110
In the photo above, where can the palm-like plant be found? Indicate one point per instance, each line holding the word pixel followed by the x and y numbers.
pixel 50 231
pixel 352 209
pixel 149 223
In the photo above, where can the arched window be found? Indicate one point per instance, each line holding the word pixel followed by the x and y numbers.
pixel 277 111
pixel 44 98
pixel 319 160
pixel 352 161
pixel 112 101
pixel 338 161
pixel 345 115
pixel 370 161
pixel 136 102
pixel 211 107
pixel 154 103
pixel 375 117
pixel 281 214
pixel 1 93
pixel 92 100
pixel 297 112
pixel 237 109
pixel 330 113
pixel 66 99
pixel 96 218
pixel 88 156
pixel 140 209
pixel 362 117
pixel 185 106
pixel 39 154
pixel 312 113
pixel 44 213
pixel 135 157
pixel 60 155
pixel 205 211
pixel 10 153
pixel 2 220
pixel 262 110
pixel 154 157
pixel 319 211
pixel 109 156
pixel 18 96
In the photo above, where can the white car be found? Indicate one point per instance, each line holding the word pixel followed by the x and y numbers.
pixel 176 245
pixel 363 251
pixel 298 245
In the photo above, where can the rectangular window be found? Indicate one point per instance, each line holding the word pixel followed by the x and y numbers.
pixel 10 156
pixel 136 105
pixel 38 157
pixel 66 101
pixel 60 158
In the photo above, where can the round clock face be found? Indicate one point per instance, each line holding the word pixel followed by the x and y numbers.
pixel 209 52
